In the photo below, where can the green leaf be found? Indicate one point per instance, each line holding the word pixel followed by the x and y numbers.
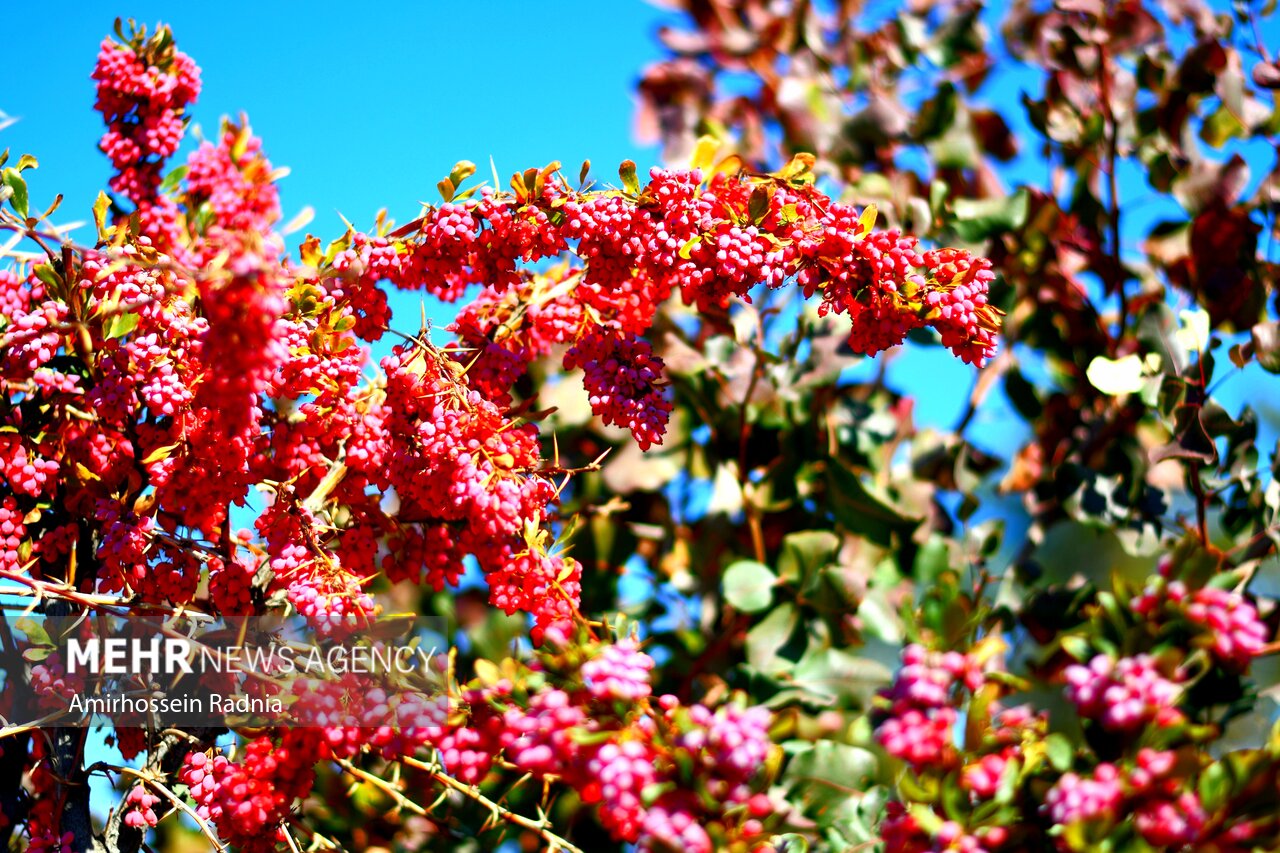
pixel 748 586
pixel 1060 751
pixel 861 510
pixel 767 639
pixel 980 219
pixel 48 275
pixel 828 773
pixel 791 842
pixel 1077 647
pixel 462 170
pixel 120 325
pixel 173 179
pixel 879 618
pixel 803 553
pixel 18 188
pixel 1214 787
pixel 841 678
pixel 1071 548
pixel 33 631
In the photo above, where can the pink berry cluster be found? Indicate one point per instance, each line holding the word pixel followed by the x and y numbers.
pixel 139 807
pixel 335 606
pixel 903 833
pixel 918 726
pixel 1083 798
pixel 144 87
pixel 358 710
pixel 1229 623
pixel 623 379
pixel 620 671
pixel 246 800
pixel 1123 694
pixel 1141 768
pixel 710 240
pixel 467 476
pixel 637 762
pixel 1155 793
pixel 1236 635
pixel 27 472
pixel 53 686
pixel 12 535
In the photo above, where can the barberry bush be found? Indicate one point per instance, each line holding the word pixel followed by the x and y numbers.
pixel 709 585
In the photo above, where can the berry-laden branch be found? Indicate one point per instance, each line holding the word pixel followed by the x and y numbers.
pixel 711 237
pixel 183 364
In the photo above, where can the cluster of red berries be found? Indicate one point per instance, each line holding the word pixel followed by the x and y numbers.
pixel 53 686
pixel 621 671
pixel 712 241
pixel 144 87
pixel 247 799
pixel 1083 798
pixel 1144 772
pixel 27 472
pixel 334 605
pixel 44 817
pixel 1167 812
pixel 623 379
pixel 12 535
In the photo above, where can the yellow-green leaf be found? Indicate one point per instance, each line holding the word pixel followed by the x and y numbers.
pixel 704 152
pixel 18 191
pixel 867 220
pixel 627 171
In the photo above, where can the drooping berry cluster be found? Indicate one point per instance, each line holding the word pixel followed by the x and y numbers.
pixel 138 806
pixel 1075 798
pixel 247 799
pixel 621 671
pixel 1140 766
pixel 333 604
pixel 623 379
pixel 144 87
